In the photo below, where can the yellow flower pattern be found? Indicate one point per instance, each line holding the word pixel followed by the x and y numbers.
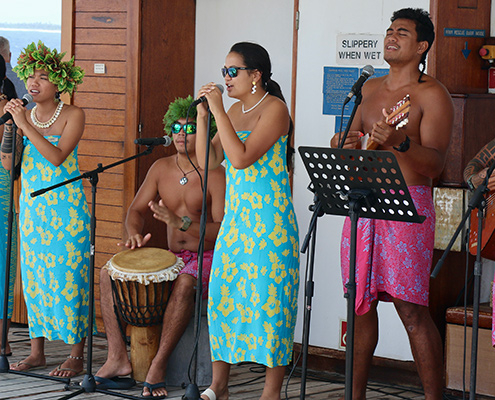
pixel 254 281
pixel 54 231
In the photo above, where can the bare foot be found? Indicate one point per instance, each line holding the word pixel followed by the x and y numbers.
pixel 113 368
pixel 70 368
pixel 28 363
pixel 156 374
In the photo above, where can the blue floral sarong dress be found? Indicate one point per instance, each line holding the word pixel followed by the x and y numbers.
pixel 55 247
pixel 254 281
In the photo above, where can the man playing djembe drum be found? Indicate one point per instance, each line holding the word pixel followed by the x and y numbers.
pixel 176 183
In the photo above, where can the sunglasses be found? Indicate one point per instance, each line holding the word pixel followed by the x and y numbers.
pixel 189 128
pixel 233 71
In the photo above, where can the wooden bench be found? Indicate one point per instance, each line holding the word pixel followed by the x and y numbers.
pixel 454 350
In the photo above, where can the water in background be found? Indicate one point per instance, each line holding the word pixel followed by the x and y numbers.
pixel 19 38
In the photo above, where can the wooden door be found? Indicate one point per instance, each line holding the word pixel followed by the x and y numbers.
pixel 166 72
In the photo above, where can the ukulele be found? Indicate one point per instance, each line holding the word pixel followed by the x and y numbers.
pixel 487 232
pixel 398 117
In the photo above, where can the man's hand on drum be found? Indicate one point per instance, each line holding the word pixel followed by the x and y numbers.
pixel 162 213
pixel 136 240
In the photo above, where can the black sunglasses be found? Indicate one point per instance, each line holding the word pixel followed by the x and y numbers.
pixel 232 71
pixel 189 128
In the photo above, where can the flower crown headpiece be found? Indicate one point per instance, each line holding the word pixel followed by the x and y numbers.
pixel 63 74
pixel 178 109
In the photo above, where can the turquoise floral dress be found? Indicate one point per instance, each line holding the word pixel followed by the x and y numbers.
pixel 4 231
pixel 252 303
pixel 55 246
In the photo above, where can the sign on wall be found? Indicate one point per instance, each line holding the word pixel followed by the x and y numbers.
pixel 337 82
pixel 359 49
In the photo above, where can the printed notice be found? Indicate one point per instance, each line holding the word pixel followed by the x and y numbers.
pixel 359 49
pixel 337 83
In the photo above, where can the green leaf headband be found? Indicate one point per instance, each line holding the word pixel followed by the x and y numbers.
pixel 63 74
pixel 178 109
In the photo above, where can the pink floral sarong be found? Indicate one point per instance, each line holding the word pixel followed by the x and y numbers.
pixel 190 259
pixel 393 258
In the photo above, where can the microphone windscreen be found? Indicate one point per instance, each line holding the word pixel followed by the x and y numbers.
pixel 27 98
pixel 220 87
pixel 368 70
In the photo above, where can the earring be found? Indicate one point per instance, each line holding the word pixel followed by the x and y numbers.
pixel 253 90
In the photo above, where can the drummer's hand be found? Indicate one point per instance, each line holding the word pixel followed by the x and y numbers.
pixel 136 240
pixel 162 213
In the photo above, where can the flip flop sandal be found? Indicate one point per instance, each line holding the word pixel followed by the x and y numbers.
pixel 76 373
pixel 152 387
pixel 30 367
pixel 210 393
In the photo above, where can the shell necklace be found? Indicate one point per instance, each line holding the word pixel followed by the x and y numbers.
pixel 256 105
pixel 184 179
pixel 51 121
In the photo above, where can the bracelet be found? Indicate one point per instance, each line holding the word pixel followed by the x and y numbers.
pixel 470 183
pixel 75 358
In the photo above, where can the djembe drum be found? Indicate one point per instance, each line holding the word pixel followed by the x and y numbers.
pixel 141 284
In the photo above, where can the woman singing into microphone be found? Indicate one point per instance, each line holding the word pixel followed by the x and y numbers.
pixel 254 279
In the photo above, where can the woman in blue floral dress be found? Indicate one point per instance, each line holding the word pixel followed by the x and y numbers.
pixel 7 92
pixel 254 280
pixel 54 226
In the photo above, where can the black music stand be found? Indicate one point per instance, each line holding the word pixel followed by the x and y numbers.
pixel 357 183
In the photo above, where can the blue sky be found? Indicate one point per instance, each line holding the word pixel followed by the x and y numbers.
pixel 29 11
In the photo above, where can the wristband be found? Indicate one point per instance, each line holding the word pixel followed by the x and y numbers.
pixel 470 183
pixel 404 146
pixel 186 223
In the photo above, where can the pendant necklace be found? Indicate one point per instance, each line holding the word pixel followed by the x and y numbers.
pixel 256 105
pixel 184 179
pixel 51 121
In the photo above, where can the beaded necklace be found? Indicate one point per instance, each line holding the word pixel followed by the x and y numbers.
pixel 51 121
pixel 256 105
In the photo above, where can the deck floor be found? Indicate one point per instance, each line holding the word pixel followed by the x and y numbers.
pixel 246 380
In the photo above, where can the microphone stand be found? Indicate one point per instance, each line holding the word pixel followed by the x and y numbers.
pixel 4 362
pixel 357 102
pixel 309 292
pixel 192 390
pixel 89 384
pixel 356 200
pixel 477 201
pixel 309 289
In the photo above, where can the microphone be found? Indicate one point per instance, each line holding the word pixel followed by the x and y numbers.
pixel 203 98
pixel 368 70
pixel 27 98
pixel 164 140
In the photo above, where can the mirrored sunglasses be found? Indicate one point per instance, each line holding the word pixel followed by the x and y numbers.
pixel 233 71
pixel 189 128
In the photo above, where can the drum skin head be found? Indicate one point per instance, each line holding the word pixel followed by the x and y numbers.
pixel 143 260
